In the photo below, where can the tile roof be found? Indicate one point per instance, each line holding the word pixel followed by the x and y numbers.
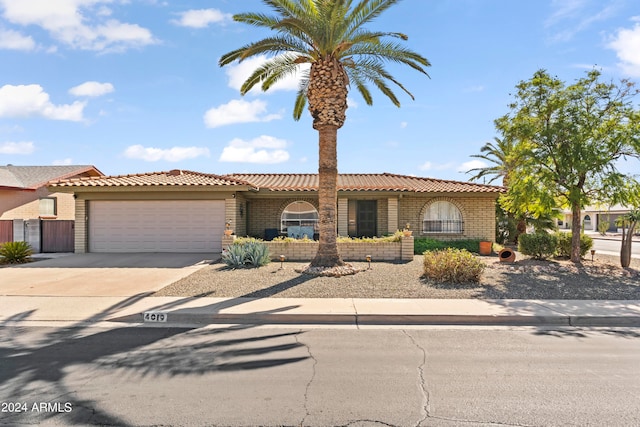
pixel 282 182
pixel 173 178
pixel 32 177
pixel 365 182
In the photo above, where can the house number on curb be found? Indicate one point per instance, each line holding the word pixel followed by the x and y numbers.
pixel 155 316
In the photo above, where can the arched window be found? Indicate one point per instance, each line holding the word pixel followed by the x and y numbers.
pixel 299 219
pixel 443 217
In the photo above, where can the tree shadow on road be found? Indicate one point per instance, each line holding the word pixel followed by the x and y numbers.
pixel 35 371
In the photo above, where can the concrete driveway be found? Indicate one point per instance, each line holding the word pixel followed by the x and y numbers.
pixel 100 274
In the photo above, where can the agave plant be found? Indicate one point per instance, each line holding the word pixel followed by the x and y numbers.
pixel 15 252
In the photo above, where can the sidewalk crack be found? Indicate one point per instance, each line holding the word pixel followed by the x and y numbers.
pixel 355 310
pixel 313 376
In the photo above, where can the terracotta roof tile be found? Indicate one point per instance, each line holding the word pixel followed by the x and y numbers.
pixel 365 182
pixel 171 178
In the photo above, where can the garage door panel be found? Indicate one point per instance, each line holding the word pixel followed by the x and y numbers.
pixel 156 226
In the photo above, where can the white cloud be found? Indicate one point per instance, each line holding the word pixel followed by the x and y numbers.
pixel 201 18
pixel 91 89
pixel 471 164
pixel 32 100
pixel 352 103
pixel 174 154
pixel 238 111
pixel 80 24
pixel 570 17
pixel 426 166
pixel 477 88
pixel 240 72
pixel 403 125
pixel 626 43
pixel 63 162
pixel 17 148
pixel 264 149
pixel 13 40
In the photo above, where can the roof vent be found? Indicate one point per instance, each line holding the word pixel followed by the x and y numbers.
pixel 175 172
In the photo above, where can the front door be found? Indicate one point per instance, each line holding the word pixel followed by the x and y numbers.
pixel 367 218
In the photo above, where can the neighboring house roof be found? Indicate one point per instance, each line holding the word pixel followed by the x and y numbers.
pixel 33 177
pixel 365 182
pixel 173 178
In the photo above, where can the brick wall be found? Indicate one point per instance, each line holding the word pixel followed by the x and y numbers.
pixel 266 213
pixel 478 214
pixel 80 226
pixel 306 251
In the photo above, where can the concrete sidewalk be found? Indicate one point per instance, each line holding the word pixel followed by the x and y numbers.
pixel 174 311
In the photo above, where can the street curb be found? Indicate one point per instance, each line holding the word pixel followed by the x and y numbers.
pixel 381 320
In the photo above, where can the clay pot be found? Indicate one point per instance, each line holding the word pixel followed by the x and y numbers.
pixel 485 248
pixel 507 255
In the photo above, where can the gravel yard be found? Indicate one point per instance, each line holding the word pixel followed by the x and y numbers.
pixel 524 279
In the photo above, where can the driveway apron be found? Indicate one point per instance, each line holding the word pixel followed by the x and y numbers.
pixel 100 274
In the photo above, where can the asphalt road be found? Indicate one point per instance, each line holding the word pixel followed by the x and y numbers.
pixel 237 376
pixel 613 246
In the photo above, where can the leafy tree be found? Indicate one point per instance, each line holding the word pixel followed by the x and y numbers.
pixel 511 220
pixel 570 138
pixel 329 35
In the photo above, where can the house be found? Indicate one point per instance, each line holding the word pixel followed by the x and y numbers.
pixel 184 211
pixel 593 216
pixel 26 203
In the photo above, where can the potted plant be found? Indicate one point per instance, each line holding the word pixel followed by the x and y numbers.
pixel 407 230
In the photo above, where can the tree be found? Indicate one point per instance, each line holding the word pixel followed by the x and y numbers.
pixel 501 156
pixel 570 139
pixel 329 35
pixel 628 222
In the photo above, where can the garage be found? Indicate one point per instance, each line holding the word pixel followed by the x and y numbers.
pixel 156 225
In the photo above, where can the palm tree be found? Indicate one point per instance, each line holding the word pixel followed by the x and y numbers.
pixel 330 36
pixel 501 154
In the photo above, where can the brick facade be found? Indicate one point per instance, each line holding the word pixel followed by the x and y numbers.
pixel 306 251
pixel 478 214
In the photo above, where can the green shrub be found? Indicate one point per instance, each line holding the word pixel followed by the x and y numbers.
pixel 452 265
pixel 422 244
pixel 287 239
pixel 539 245
pixel 250 253
pixel 395 237
pixel 563 246
pixel 15 252
pixel 603 227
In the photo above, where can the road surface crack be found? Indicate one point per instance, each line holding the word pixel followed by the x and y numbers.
pixel 422 381
pixel 313 375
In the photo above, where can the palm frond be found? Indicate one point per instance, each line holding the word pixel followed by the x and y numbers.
pixel 316 30
pixel 300 104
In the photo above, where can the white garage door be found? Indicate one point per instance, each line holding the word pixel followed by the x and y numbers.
pixel 156 226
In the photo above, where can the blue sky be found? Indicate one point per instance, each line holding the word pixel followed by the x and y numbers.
pixel 134 86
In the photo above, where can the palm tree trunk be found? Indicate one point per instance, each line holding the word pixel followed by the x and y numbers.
pixel 327 255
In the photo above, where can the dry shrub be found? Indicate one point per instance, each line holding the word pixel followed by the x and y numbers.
pixel 453 266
